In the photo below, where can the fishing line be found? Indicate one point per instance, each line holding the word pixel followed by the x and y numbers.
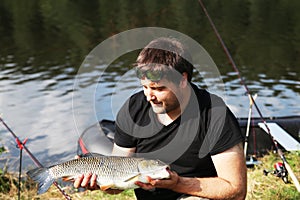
pixel 279 151
pixel 237 71
pixel 21 145
pixel 254 137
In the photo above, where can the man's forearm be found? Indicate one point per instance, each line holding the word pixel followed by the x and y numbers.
pixel 211 188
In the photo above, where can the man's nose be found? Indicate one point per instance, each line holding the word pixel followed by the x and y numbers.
pixel 150 95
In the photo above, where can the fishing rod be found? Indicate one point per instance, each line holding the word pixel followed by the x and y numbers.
pixel 279 151
pixel 21 145
pixel 248 124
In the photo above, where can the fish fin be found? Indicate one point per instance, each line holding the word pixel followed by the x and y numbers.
pixel 68 178
pixel 90 154
pixel 106 187
pixel 42 177
pixel 133 177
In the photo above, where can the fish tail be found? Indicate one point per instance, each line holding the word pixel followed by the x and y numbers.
pixel 42 177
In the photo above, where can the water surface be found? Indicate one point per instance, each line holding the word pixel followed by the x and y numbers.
pixel 43 44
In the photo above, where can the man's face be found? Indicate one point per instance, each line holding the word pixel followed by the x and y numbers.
pixel 162 95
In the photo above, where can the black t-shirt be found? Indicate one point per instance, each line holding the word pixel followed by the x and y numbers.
pixel 205 128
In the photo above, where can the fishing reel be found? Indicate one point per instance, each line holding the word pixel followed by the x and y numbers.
pixel 280 172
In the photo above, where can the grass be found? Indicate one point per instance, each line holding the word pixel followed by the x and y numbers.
pixel 9 190
pixel 272 187
pixel 259 185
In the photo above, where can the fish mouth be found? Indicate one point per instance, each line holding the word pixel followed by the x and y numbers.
pixel 160 173
pixel 168 170
pixel 166 173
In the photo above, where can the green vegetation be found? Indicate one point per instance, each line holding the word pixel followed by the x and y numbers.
pixel 2 149
pixel 259 185
pixel 272 187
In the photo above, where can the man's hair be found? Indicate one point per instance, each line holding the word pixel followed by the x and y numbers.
pixel 166 54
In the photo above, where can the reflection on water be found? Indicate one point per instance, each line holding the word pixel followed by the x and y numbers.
pixel 43 44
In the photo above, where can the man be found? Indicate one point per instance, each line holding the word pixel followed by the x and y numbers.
pixel 175 121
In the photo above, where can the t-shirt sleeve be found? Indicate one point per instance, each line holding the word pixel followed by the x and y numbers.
pixel 230 134
pixel 122 139
pixel 125 122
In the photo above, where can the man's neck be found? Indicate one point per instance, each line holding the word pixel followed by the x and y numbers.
pixel 165 119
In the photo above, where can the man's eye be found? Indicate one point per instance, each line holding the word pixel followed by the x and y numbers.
pixel 159 88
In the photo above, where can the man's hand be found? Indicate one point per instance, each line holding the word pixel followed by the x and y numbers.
pixel 160 183
pixel 88 181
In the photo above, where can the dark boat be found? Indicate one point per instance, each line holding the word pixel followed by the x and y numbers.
pixel 99 137
pixel 260 142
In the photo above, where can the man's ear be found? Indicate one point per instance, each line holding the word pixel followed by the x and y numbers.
pixel 184 81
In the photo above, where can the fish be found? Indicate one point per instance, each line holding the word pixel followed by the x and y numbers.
pixel 113 172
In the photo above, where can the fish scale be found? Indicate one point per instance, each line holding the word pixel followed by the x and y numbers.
pixel 112 171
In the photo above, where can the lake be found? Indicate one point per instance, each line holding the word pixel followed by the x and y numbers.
pixel 51 89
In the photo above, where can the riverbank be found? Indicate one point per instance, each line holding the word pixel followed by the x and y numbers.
pixel 259 185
